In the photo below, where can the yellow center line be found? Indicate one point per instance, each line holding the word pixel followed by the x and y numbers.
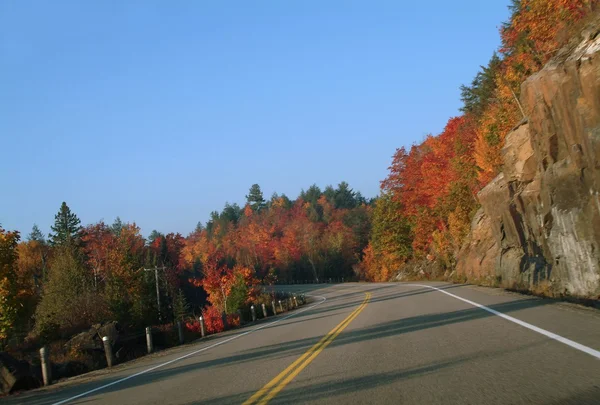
pixel 274 386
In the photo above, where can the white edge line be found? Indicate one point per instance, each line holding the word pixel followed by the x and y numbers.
pixel 558 338
pixel 64 401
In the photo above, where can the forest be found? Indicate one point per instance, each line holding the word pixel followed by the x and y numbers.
pixel 54 285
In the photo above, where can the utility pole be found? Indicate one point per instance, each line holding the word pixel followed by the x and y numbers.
pixel 155 270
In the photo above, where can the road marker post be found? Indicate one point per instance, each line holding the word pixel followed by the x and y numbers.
pixel 264 308
pixel 149 344
pixel 280 306
pixel 224 318
pixel 108 351
pixel 46 367
pixel 295 302
pixel 180 332
pixel 202 328
pixel 274 307
pixel 253 312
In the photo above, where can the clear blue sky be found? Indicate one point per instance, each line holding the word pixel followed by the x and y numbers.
pixel 160 112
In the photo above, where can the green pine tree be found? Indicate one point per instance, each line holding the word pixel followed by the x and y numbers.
pixel 180 306
pixel 66 229
pixel 255 198
pixel 117 226
pixel 344 196
pixel 36 235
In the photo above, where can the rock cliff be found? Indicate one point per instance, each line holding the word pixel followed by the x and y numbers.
pixel 538 228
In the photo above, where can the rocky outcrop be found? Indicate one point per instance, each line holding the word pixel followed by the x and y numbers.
pixel 92 339
pixel 539 226
pixel 481 251
pixel 16 375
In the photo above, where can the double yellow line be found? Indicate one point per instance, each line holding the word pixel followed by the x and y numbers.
pixel 266 393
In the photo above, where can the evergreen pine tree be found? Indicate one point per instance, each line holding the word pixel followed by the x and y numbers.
pixel 117 227
pixel 66 229
pixel 180 306
pixel 255 198
pixel 36 235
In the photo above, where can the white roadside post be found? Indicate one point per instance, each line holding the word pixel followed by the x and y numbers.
pixel 264 308
pixel 149 344
pixel 108 351
pixel 202 329
pixel 46 369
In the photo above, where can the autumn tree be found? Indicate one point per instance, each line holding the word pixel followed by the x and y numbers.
pixel 391 240
pixel 9 303
pixel 32 269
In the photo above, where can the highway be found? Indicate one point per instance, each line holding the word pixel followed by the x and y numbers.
pixel 367 343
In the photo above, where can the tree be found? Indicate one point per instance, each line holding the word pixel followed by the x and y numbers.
pixel 9 305
pixel 477 96
pixel 311 195
pixel 180 306
pixel 344 196
pixel 36 235
pixel 68 302
pixel 66 228
pixel 154 235
pixel 255 198
pixel 35 253
pixel 391 232
pixel 329 194
pixel 117 226
pixel 231 213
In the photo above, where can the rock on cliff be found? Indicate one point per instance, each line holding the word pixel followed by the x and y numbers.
pixel 539 225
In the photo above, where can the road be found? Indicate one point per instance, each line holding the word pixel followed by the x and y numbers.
pixel 388 343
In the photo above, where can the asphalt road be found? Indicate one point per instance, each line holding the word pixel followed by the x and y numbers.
pixel 371 343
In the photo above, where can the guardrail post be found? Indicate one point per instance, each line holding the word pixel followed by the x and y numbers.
pixel 202 328
pixel 108 351
pixel 46 368
pixel 264 308
pixel 149 344
pixel 180 332
pixel 224 318
pixel 253 311
pixel 274 307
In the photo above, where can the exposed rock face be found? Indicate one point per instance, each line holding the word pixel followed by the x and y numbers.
pixel 540 223
pixel 480 254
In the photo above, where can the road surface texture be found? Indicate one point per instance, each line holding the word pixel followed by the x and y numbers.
pixel 389 343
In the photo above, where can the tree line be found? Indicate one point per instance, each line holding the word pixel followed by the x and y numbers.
pixel 81 275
